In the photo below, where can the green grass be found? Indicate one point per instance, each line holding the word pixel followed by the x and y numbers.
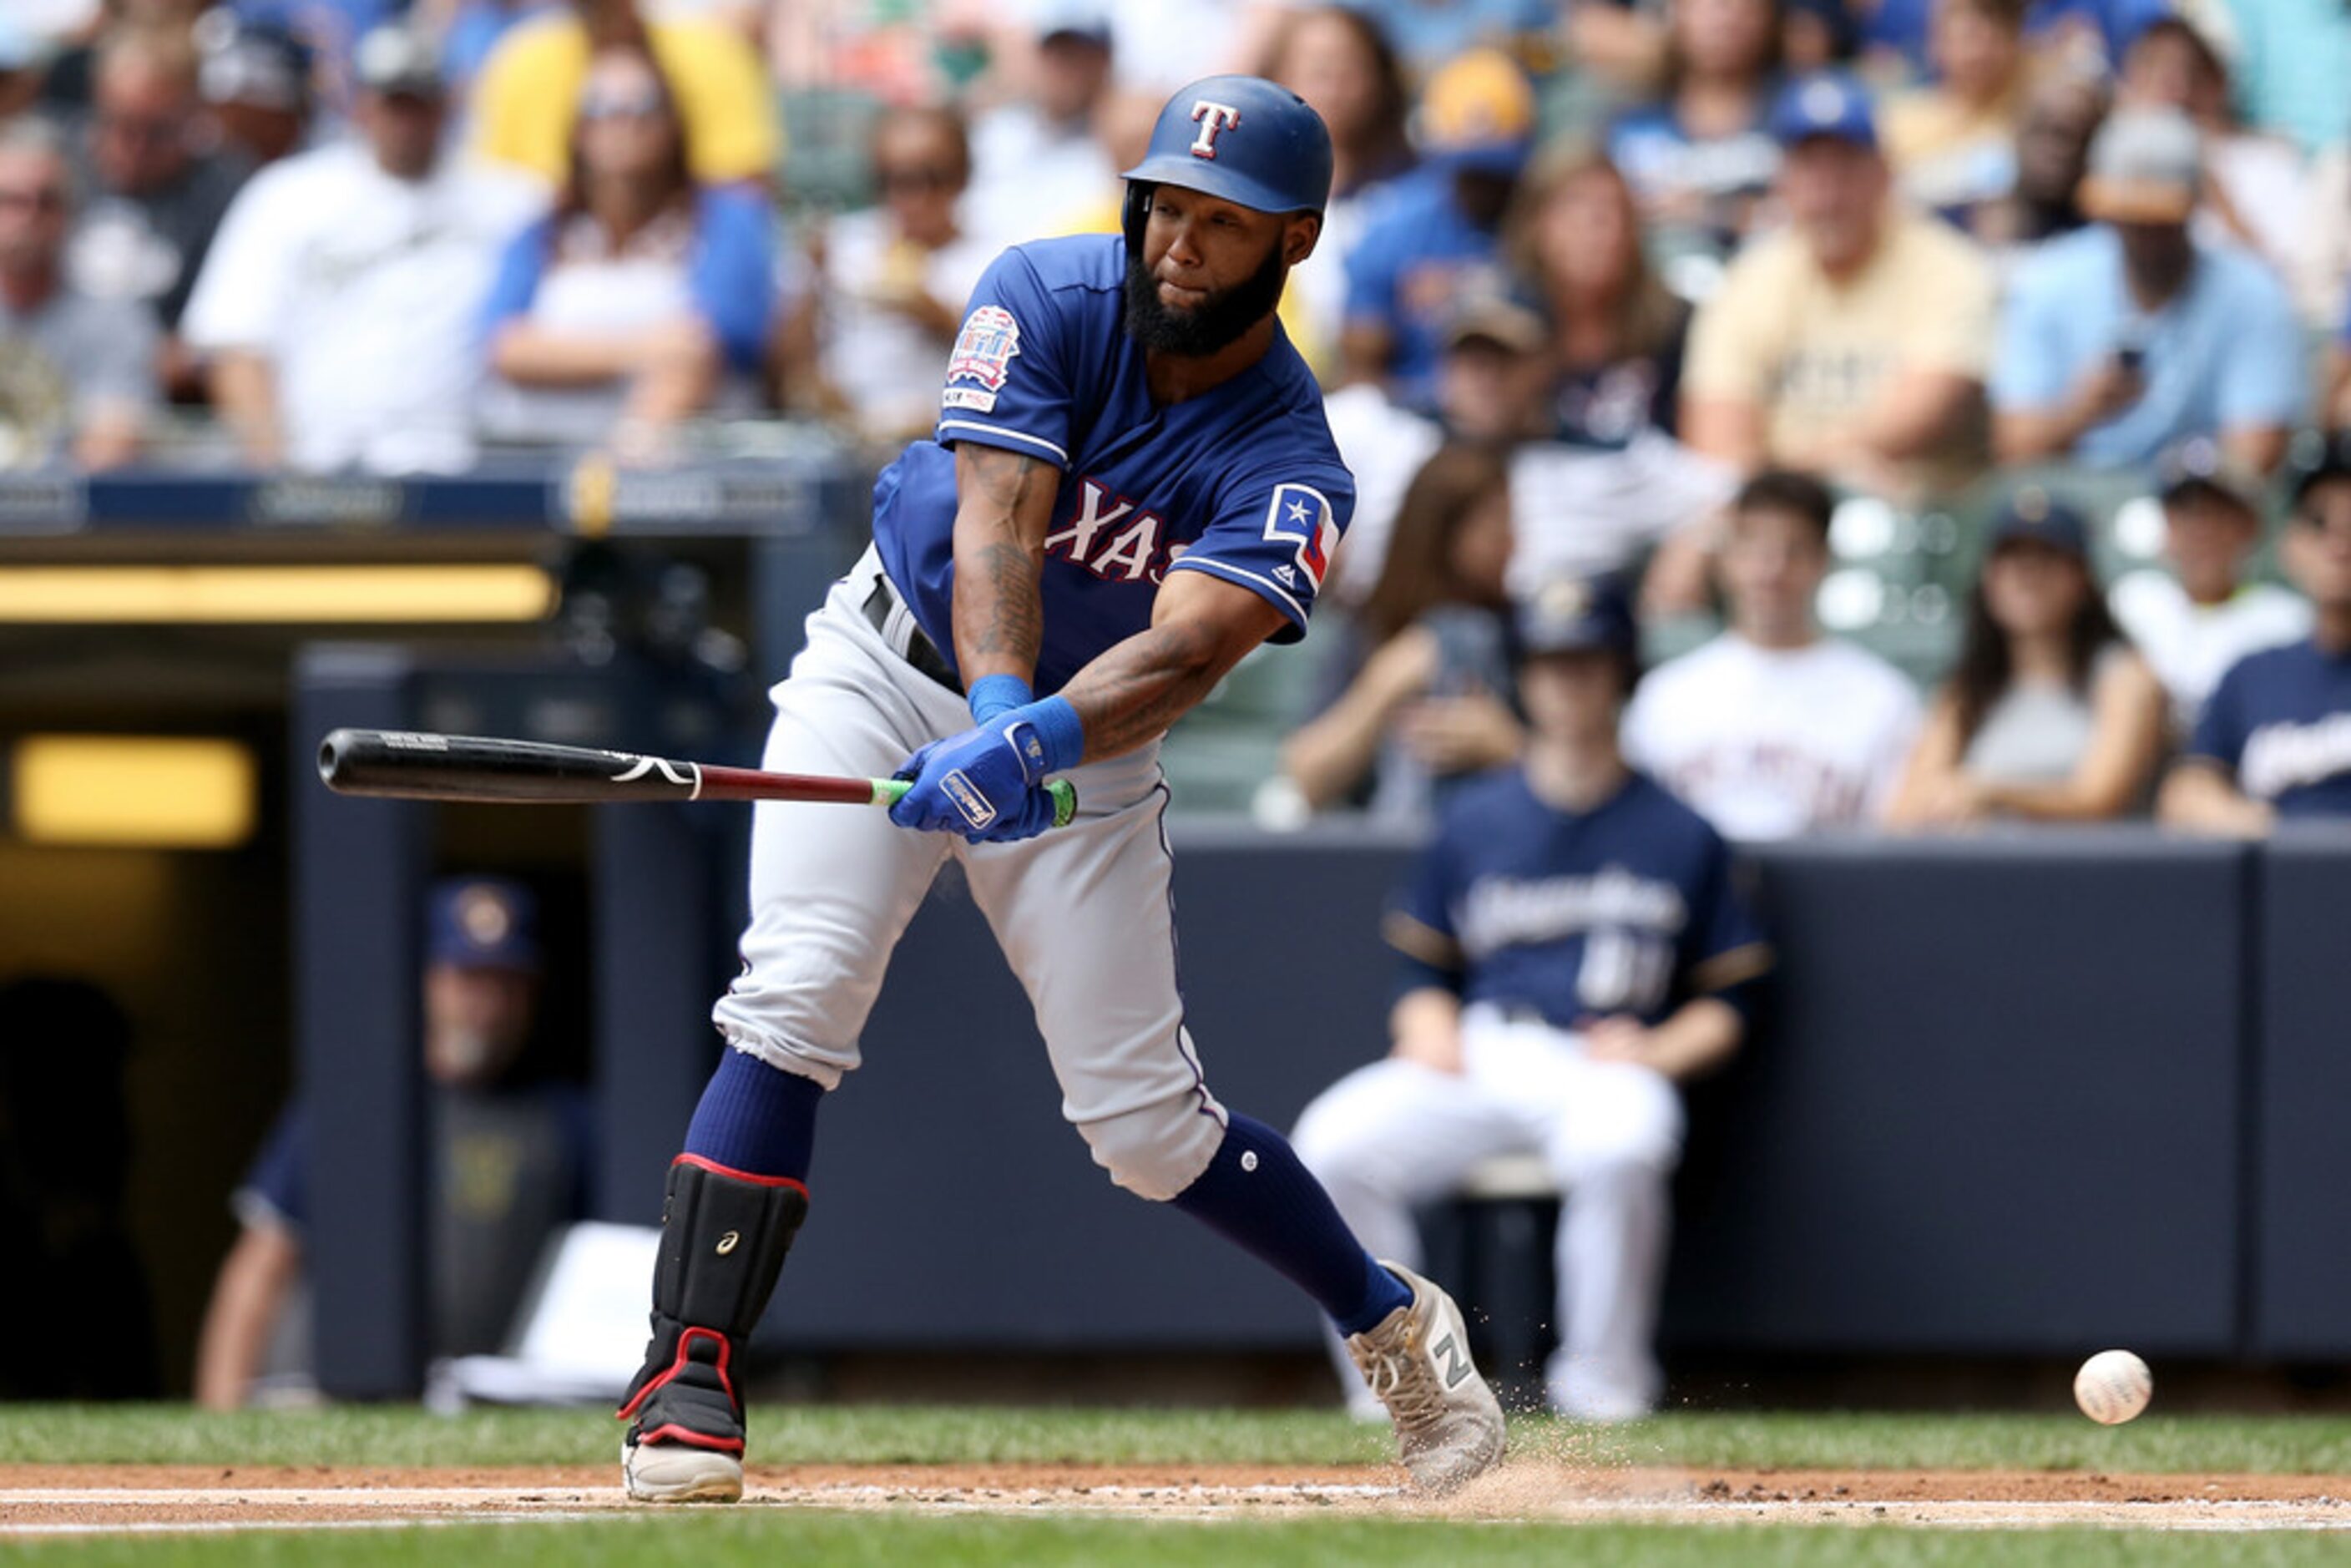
pixel 765 1538
pixel 403 1436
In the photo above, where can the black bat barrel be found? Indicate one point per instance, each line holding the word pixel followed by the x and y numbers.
pixel 416 766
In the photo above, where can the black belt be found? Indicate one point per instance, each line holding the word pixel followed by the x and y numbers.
pixel 919 649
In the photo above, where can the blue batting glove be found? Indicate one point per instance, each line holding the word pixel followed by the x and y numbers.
pixel 986 782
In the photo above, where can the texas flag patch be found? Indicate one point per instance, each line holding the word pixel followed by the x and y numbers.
pixel 984 349
pixel 1301 516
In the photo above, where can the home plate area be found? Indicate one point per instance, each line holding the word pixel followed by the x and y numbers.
pixel 53 1500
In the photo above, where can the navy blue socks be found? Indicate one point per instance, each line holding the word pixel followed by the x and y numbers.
pixel 755 1119
pixel 1258 1196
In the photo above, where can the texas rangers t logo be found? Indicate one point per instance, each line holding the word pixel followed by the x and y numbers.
pixel 1213 118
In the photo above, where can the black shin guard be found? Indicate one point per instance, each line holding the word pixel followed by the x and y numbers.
pixel 724 1237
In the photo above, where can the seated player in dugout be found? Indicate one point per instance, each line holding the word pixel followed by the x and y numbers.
pixel 509 1164
pixel 1573 950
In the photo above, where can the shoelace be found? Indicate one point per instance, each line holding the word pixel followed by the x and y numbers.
pixel 1405 1383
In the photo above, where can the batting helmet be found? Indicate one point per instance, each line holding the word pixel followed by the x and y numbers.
pixel 1243 139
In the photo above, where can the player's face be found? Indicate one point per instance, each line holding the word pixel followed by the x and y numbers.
pixel 475 1021
pixel 1573 698
pixel 1209 270
pixel 2032 589
pixel 2318 546
pixel 1772 569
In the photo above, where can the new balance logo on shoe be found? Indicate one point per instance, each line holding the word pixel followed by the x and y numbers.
pixel 1456 1366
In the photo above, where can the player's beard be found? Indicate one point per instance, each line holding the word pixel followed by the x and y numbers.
pixel 1215 323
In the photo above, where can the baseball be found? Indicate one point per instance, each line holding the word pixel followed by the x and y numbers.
pixel 2112 1386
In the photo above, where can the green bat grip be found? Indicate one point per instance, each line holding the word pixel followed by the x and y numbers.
pixel 890 791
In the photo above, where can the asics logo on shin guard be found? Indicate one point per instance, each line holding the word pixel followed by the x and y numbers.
pixel 727 1242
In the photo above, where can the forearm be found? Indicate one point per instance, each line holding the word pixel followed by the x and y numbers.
pixel 1325 756
pixel 2196 797
pixel 1136 689
pixel 530 355
pixel 2029 436
pixel 2070 800
pixel 1002 506
pixel 1917 416
pixel 2254 448
pixel 1701 1035
pixel 244 394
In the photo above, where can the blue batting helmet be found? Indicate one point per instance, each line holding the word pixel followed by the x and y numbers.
pixel 1242 139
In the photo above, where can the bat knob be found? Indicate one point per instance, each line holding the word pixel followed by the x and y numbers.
pixel 332 751
pixel 1065 801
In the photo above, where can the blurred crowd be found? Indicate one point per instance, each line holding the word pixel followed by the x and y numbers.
pixel 1691 289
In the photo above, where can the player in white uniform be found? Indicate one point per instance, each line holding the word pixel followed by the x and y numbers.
pixel 1130 488
pixel 1571 946
pixel 1773 729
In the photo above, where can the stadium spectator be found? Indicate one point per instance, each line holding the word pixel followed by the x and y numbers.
pixel 2049 715
pixel 2256 188
pixel 20 68
pixel 1425 699
pixel 77 374
pixel 1490 393
pixel 1953 142
pixel 2293 57
pixel 2275 739
pixel 2063 111
pixel 1337 59
pixel 508 1162
pixel 1427 36
pixel 66 83
pixel 1817 35
pixel 1617 332
pixel 340 308
pixel 1036 156
pixel 528 90
pixel 1771 729
pixel 1701 158
pixel 1820 351
pixel 870 342
pixel 2132 335
pixel 472 33
pixel 1571 948
pixel 154 190
pixel 643 298
pixel 256 80
pixel 2335 414
pixel 1441 232
pixel 2191 627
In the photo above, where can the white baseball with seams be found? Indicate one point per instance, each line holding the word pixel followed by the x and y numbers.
pixel 2112 1386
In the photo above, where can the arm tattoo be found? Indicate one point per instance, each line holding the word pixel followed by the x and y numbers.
pixel 999 614
pixel 1131 694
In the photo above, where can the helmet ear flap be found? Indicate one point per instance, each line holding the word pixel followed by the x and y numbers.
pixel 1136 211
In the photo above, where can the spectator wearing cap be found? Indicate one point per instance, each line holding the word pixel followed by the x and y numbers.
pixel 155 186
pixel 1337 59
pixel 508 1159
pixel 77 374
pixel 869 344
pixel 2274 738
pixel 1034 154
pixel 341 306
pixel 1442 232
pixel 2193 625
pixel 2050 715
pixel 2063 111
pixel 2256 190
pixel 523 100
pixel 2119 340
pixel 642 300
pixel 1952 142
pixel 1701 158
pixel 1770 729
pixel 1421 698
pixel 256 80
pixel 1822 352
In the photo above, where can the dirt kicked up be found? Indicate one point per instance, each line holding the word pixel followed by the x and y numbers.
pixel 81 1500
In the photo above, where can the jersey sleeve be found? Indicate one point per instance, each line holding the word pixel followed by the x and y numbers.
pixel 1723 949
pixel 1008 383
pixel 1273 535
pixel 274 1191
pixel 2219 734
pixel 1419 923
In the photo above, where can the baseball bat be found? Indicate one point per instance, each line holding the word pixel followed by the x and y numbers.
pixel 412 765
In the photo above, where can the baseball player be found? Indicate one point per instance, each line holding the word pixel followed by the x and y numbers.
pixel 1130 487
pixel 2275 739
pixel 1572 946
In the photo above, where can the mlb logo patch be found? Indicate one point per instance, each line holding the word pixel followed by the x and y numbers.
pixel 1302 517
pixel 984 349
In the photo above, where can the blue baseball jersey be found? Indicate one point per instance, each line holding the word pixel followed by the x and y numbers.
pixel 1242 482
pixel 2281 721
pixel 1627 908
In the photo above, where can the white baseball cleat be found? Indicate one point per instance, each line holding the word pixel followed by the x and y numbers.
pixel 678 1473
pixel 1416 1360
